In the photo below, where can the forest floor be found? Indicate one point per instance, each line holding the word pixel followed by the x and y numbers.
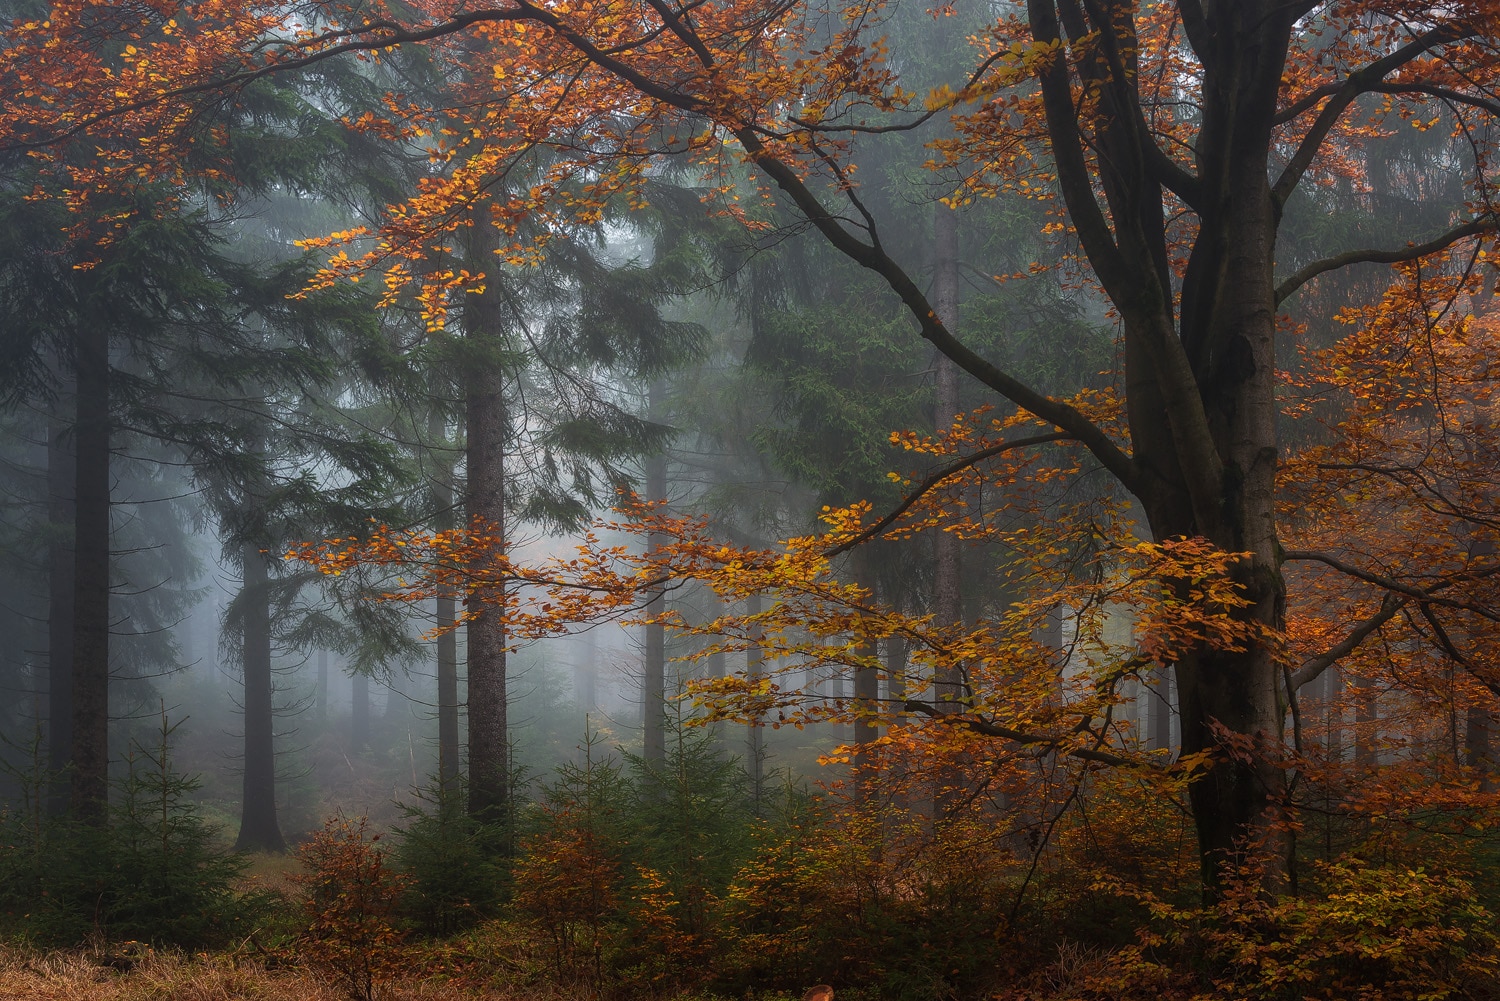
pixel 120 974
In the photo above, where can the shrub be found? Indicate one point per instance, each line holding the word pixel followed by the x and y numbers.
pixel 566 874
pixel 155 874
pixel 450 863
pixel 352 897
pixel 1387 931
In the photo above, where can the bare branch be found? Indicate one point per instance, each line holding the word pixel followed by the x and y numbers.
pixel 1410 252
pixel 1428 595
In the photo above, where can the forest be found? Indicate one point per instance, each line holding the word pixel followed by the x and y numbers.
pixel 693 500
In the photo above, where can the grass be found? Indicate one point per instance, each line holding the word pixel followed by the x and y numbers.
pixel 131 972
pixel 270 871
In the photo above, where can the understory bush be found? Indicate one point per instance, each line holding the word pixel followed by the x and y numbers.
pixel 351 905
pixel 157 872
pixel 453 868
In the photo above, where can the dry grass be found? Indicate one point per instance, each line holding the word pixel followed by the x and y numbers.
pixel 119 974
pixel 272 872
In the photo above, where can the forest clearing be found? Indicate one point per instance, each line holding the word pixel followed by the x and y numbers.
pixel 750 499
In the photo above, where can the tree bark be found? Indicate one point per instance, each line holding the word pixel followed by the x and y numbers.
pixel 61 474
pixel 447 642
pixel 1200 386
pixel 259 828
pixel 755 747
pixel 947 597
pixel 89 737
pixel 486 419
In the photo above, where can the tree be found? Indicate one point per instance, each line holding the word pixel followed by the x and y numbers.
pixel 1174 137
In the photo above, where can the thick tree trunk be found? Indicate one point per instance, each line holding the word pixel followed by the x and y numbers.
pixel 259 829
pixel 1228 699
pixel 485 413
pixel 947 598
pixel 61 473
pixel 1200 384
pixel 91 568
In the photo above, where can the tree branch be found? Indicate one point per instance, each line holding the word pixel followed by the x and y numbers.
pixel 1427 595
pixel 1315 666
pixel 391 35
pixel 1370 256
pixel 936 477
pixel 984 727
pixel 874 257
pixel 1358 82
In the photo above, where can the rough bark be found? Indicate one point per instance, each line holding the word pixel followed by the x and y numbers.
pixel 445 610
pixel 947 598
pixel 259 828
pixel 1201 386
pixel 485 417
pixel 61 472
pixel 89 737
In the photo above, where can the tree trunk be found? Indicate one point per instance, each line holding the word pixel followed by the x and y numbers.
pixel 446 617
pixel 1200 367
pixel 947 599
pixel 755 748
pixel 91 568
pixel 654 666
pixel 1237 805
pixel 1159 712
pixel 485 413
pixel 866 684
pixel 61 474
pixel 1477 750
pixel 259 829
